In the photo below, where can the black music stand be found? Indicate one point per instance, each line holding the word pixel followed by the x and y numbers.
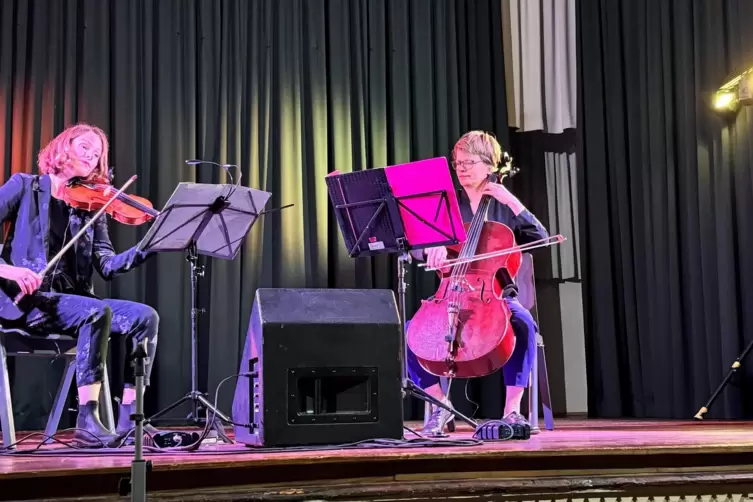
pixel 371 220
pixel 204 219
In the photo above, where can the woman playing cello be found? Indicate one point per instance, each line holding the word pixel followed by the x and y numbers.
pixel 475 156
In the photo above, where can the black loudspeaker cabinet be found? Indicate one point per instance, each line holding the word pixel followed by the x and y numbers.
pixel 327 364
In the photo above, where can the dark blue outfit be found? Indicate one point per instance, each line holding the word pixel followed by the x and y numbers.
pixel 517 370
pixel 65 303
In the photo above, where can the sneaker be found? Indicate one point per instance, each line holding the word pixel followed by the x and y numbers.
pixel 434 426
pixel 516 418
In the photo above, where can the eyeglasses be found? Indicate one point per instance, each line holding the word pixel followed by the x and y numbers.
pixel 468 164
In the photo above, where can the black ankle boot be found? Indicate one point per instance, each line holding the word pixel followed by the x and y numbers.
pixel 94 433
pixel 125 424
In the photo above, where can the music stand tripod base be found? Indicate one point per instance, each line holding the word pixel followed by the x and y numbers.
pixel 198 400
pixel 414 390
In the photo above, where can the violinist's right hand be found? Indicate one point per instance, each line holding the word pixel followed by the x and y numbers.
pixel 435 256
pixel 28 280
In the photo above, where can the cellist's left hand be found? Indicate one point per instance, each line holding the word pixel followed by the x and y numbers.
pixel 503 195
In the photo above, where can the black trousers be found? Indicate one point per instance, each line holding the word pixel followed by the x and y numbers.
pixel 92 321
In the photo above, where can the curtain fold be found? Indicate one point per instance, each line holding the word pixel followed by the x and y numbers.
pixel 562 194
pixel 666 194
pixel 539 39
pixel 290 90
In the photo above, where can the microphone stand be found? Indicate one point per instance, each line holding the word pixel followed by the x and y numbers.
pixel 139 466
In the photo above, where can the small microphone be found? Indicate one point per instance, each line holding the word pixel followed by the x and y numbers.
pixel 196 162
pixel 226 167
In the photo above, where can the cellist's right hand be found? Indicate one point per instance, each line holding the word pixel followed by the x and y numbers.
pixel 435 256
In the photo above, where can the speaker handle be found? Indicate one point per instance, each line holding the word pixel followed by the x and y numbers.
pixel 255 387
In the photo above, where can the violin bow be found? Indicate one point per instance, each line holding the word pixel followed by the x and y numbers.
pixel 78 235
pixel 548 241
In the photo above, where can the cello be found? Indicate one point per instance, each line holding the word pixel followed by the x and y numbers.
pixel 464 330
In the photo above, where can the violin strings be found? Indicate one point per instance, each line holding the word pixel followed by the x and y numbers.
pixel 125 198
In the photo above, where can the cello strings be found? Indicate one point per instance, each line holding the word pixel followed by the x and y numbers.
pixel 477 227
pixel 469 248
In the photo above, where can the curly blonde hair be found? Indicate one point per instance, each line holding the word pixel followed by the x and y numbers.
pixel 59 152
pixel 480 143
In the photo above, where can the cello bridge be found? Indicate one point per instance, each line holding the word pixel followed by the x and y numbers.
pixel 452 318
pixel 460 286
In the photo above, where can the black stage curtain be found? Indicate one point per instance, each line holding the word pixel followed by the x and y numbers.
pixel 288 89
pixel 666 193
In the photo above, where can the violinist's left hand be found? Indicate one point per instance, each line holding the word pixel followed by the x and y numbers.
pixel 503 195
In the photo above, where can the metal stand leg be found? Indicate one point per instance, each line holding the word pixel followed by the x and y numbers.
pixel 139 466
pixel 6 405
pixel 410 388
pixel 197 399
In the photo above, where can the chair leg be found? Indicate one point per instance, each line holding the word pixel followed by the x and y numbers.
pixel 533 395
pixel 105 403
pixel 6 405
pixel 546 399
pixel 61 398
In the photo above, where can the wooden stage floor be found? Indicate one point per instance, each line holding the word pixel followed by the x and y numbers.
pixel 593 458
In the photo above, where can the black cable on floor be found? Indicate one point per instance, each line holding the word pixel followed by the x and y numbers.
pixel 193 448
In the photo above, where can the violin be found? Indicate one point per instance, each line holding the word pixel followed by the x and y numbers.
pixel 465 329
pixel 94 198
pixel 126 209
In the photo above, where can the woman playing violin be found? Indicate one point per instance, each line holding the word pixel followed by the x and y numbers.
pixel 63 301
pixel 475 156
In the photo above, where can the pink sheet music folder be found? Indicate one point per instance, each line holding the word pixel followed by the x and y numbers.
pixel 423 177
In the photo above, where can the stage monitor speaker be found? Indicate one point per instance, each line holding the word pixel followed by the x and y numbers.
pixel 327 365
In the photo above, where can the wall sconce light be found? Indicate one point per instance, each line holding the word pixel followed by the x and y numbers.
pixel 726 100
pixel 735 93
